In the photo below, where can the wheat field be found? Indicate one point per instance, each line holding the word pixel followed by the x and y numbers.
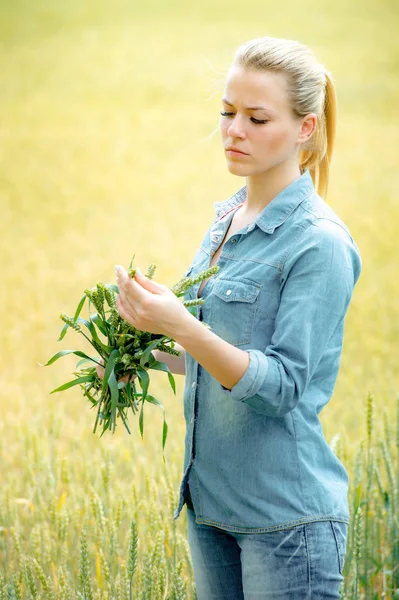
pixel 109 148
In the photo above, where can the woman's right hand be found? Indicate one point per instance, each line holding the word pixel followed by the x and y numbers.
pixel 100 372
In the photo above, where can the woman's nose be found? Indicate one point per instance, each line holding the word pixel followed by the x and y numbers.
pixel 236 128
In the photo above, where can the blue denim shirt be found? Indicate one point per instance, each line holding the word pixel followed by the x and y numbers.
pixel 256 458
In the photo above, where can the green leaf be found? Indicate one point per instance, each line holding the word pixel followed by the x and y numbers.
pixel 131 262
pixel 100 323
pixel 91 398
pixel 109 367
pixel 89 359
pixel 113 386
pixel 172 382
pixel 77 381
pixel 144 380
pixel 79 308
pixel 77 313
pixel 146 354
pixel 159 366
pixel 64 353
pixel 106 425
pixel 157 402
pixel 141 419
pixel 124 419
pixel 164 435
pixel 63 332
pixel 129 392
pixel 90 326
pixel 154 400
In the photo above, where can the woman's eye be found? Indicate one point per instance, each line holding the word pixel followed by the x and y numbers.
pixel 258 121
pixel 261 122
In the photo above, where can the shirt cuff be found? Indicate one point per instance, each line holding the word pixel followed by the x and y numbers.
pixel 253 378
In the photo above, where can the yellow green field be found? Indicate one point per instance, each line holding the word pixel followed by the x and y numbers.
pixel 109 148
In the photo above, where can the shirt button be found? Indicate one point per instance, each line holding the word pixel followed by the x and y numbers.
pixel 228 292
pixel 194 384
pixel 233 241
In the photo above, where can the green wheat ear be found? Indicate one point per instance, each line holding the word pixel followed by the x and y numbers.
pixel 186 282
pixel 100 292
pixel 205 274
pixel 370 415
pixel 133 542
pixel 110 297
pixel 195 302
pixel 85 578
pixel 358 530
pixel 69 321
pixel 151 271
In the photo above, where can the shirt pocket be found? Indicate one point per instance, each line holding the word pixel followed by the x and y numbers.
pixel 233 307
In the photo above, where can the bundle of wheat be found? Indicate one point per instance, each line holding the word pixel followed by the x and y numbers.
pixel 124 351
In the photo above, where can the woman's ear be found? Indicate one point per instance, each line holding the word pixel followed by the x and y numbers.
pixel 308 128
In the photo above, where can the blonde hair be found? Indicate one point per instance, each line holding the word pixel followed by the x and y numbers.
pixel 310 90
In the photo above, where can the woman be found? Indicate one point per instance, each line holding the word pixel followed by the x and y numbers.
pixel 266 496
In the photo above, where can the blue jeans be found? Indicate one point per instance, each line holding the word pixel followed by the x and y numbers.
pixel 304 562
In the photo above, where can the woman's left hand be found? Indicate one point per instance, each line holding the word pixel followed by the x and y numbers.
pixel 148 305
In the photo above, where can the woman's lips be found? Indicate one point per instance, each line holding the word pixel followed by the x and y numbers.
pixel 236 153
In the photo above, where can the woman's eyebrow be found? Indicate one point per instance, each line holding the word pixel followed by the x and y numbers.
pixel 251 107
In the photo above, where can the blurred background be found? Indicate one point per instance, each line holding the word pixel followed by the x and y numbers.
pixel 110 147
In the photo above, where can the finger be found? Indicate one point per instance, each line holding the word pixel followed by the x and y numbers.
pixel 133 290
pixel 123 305
pixel 127 378
pixel 123 279
pixel 100 371
pixel 127 293
pixel 124 313
pixel 128 301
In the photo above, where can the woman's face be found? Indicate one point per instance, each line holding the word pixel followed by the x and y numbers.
pixel 257 119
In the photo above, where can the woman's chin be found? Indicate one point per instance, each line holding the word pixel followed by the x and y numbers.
pixel 236 168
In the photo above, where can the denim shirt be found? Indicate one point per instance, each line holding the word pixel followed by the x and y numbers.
pixel 256 458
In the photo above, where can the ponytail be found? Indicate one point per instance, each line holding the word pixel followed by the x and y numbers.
pixel 318 157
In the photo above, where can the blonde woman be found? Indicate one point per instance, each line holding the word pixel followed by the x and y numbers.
pixel 266 496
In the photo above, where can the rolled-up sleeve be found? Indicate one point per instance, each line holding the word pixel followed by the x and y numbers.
pixel 317 282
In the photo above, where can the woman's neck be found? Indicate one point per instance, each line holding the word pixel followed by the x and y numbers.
pixel 263 187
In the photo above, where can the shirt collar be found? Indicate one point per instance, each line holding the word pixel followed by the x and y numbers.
pixel 280 207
